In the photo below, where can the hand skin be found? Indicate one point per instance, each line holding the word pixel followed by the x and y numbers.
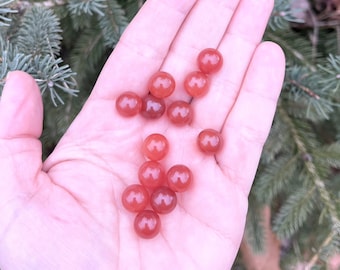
pixel 66 212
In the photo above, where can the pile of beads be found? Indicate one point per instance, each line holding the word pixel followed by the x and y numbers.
pixel 155 193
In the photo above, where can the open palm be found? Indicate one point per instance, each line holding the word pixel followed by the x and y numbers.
pixel 66 213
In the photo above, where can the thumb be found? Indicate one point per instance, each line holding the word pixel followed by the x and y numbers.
pixel 21 114
pixel 20 107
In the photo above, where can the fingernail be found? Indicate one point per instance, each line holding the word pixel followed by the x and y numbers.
pixel 8 76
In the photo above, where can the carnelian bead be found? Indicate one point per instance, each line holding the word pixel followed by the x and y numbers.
pixel 128 104
pixel 135 198
pixel 152 107
pixel 196 84
pixel 155 146
pixel 161 84
pixel 163 200
pixel 151 174
pixel 180 113
pixel 209 60
pixel 209 141
pixel 147 224
pixel 179 178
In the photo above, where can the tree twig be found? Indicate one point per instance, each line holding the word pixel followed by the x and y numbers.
pixel 305 89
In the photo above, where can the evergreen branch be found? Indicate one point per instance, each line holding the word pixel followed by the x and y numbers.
pixel 327 241
pixel 4 10
pixel 299 82
pixel 39 33
pixel 325 196
pixel 113 23
pixel 282 15
pixel 79 7
pixel 328 155
pixel 254 230
pixel 26 4
pixel 329 74
pixel 277 142
pixel 11 60
pixel 305 89
pixel 51 77
pixel 275 178
pixel 46 70
pixel 294 212
pixel 87 55
pixel 131 7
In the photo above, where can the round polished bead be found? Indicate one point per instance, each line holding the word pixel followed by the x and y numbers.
pixel 196 84
pixel 128 104
pixel 210 141
pixel 163 200
pixel 155 146
pixel 179 178
pixel 161 84
pixel 180 113
pixel 151 174
pixel 209 60
pixel 135 198
pixel 147 224
pixel 152 107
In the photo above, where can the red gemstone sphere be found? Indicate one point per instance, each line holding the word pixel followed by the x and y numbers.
pixel 128 104
pixel 196 84
pixel 179 178
pixel 209 141
pixel 209 60
pixel 152 107
pixel 163 200
pixel 161 84
pixel 151 174
pixel 155 146
pixel 180 113
pixel 147 224
pixel 135 198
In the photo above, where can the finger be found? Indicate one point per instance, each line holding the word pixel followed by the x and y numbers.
pixel 203 28
pixel 21 115
pixel 250 119
pixel 142 48
pixel 20 107
pixel 242 36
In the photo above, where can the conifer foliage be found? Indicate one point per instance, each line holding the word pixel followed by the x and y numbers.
pixel 64 43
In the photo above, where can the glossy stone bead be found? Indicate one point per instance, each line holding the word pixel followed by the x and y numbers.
pixel 152 107
pixel 180 113
pixel 128 104
pixel 210 141
pixel 163 200
pixel 161 84
pixel 155 146
pixel 196 84
pixel 147 224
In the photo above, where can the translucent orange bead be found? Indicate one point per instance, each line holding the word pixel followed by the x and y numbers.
pixel 179 178
pixel 163 200
pixel 152 107
pixel 180 113
pixel 155 146
pixel 161 84
pixel 147 224
pixel 135 198
pixel 128 104
pixel 151 174
pixel 196 84
pixel 209 60
pixel 210 141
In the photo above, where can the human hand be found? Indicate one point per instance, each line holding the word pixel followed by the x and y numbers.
pixel 66 212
